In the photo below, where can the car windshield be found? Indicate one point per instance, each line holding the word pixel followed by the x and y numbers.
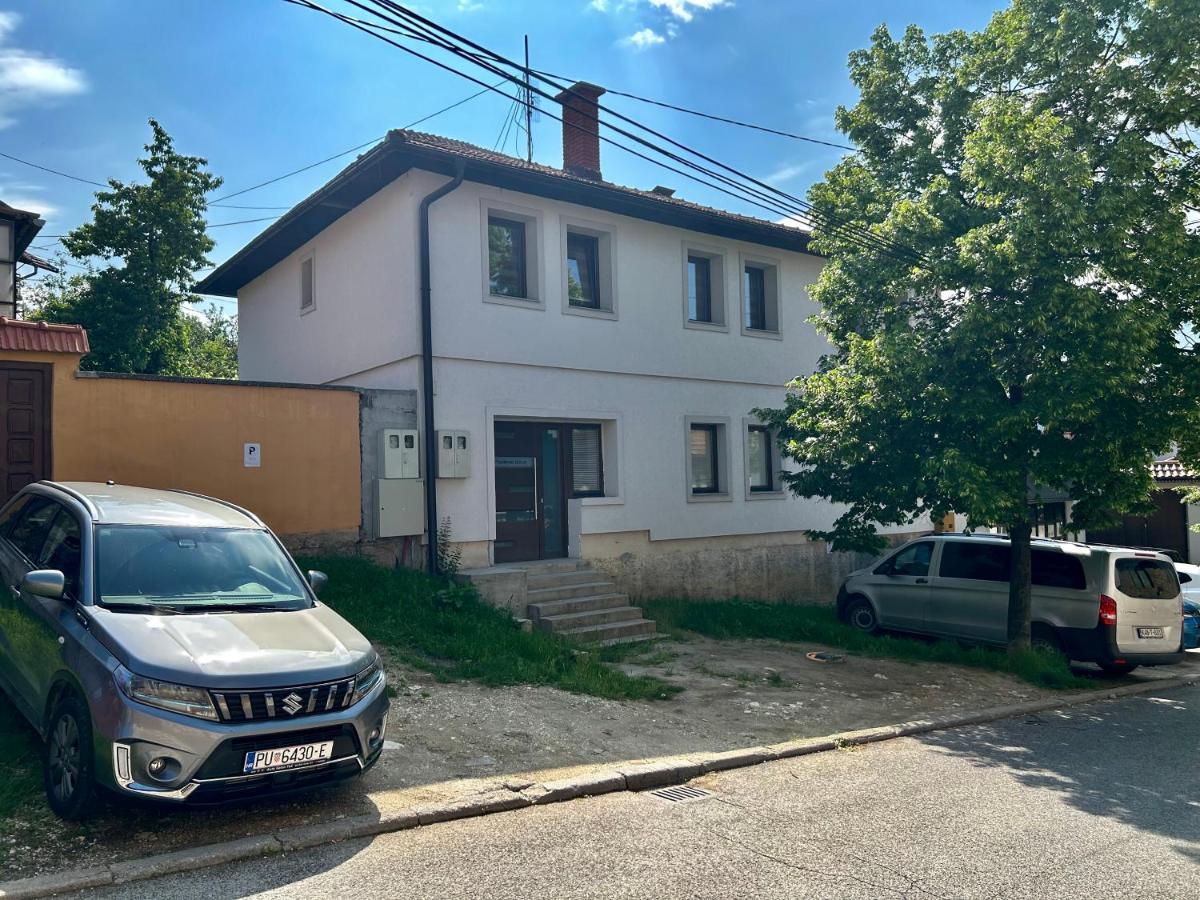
pixel 192 569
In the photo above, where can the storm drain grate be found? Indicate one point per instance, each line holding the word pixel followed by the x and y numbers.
pixel 681 793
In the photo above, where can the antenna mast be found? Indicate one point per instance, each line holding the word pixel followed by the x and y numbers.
pixel 528 107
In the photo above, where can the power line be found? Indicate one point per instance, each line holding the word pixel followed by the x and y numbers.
pixel 240 222
pixel 728 121
pixel 34 165
pixel 328 159
pixel 796 207
pixel 756 192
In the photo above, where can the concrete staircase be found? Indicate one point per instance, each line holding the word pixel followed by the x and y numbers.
pixel 569 598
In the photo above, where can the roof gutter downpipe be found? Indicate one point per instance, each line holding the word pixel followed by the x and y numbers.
pixel 429 438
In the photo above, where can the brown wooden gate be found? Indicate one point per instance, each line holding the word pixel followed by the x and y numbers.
pixel 24 425
pixel 1164 529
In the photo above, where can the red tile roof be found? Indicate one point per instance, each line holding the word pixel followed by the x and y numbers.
pixel 17 334
pixel 1171 470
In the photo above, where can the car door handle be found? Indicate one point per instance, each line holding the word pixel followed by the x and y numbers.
pixel 922 581
pixel 16 590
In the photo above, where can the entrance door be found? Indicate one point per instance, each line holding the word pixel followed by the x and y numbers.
pixel 531 501
pixel 24 426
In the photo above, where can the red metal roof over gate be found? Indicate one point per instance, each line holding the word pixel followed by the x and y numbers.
pixel 17 334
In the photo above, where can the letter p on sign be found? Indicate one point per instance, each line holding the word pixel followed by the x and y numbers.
pixel 252 456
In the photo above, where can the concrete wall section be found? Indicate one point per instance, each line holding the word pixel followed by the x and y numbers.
pixel 380 409
pixel 785 567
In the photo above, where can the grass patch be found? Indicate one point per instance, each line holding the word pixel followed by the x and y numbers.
pixel 21 751
pixel 739 619
pixel 445 629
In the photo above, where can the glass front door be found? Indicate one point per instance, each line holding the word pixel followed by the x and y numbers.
pixel 531 500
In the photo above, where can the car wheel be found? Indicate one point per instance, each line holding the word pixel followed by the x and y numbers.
pixel 70 760
pixel 860 615
pixel 1117 668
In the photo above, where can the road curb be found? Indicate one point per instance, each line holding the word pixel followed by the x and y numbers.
pixel 519 793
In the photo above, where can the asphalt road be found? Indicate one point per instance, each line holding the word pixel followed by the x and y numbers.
pixel 1098 800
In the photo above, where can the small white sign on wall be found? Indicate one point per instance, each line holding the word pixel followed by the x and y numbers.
pixel 252 456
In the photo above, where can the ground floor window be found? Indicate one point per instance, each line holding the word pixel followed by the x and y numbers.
pixel 1049 520
pixel 587 461
pixel 705 463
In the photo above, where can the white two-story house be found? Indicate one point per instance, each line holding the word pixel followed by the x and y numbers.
pixel 601 349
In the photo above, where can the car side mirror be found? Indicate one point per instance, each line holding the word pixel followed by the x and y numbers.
pixel 48 583
pixel 1185 578
pixel 317 580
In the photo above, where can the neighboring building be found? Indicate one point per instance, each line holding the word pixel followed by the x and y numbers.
pixel 598 349
pixel 18 228
pixel 1169 527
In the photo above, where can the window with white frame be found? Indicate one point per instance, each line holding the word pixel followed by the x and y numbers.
pixel 703 288
pixel 707 458
pixel 760 297
pixel 510 253
pixel 308 285
pixel 588 270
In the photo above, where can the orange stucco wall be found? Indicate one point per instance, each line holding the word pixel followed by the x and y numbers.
pixel 174 434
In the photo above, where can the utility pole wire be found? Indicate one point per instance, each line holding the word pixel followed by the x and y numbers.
pixel 445 38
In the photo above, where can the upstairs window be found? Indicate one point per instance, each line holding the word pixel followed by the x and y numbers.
pixel 756 298
pixel 583 270
pixel 760 298
pixel 507 258
pixel 308 288
pixel 700 299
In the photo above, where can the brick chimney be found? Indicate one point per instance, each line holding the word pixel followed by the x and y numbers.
pixel 581 129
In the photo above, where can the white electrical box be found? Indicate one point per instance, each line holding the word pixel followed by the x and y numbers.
pixel 454 454
pixel 401 507
pixel 400 453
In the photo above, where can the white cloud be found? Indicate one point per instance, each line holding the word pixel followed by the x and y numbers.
pixel 685 9
pixel 644 39
pixel 788 171
pixel 469 6
pixel 599 5
pixel 28 78
pixel 31 204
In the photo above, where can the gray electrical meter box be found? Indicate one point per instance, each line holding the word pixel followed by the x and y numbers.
pixel 400 454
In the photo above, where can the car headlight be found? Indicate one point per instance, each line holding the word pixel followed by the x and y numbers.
pixel 368 679
pixel 178 698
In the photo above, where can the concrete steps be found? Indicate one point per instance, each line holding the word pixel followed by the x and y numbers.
pixel 565 597
pixel 582 605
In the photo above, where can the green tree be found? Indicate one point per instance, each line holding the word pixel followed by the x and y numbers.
pixel 210 345
pixel 1019 318
pixel 151 237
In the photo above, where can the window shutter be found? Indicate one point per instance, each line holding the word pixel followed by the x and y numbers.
pixel 586 461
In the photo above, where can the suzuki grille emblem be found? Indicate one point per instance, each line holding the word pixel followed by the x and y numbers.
pixel 293 703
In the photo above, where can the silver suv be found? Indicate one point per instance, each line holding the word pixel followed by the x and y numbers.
pixel 1117 607
pixel 166 646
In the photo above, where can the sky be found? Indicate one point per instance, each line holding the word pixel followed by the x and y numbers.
pixel 263 87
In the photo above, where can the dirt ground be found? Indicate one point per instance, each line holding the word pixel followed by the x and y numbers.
pixel 735 694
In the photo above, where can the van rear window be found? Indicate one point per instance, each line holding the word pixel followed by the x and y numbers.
pixel 1060 570
pixel 1147 579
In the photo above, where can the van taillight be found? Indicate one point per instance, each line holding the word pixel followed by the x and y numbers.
pixel 1108 610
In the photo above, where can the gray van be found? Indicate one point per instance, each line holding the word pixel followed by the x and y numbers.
pixel 1120 608
pixel 166 646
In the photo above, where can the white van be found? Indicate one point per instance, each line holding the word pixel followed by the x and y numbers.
pixel 1120 608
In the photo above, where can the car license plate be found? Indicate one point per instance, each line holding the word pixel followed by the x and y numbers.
pixel 287 757
pixel 1150 633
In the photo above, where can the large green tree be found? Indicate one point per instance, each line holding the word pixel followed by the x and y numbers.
pixel 143 244
pixel 1018 317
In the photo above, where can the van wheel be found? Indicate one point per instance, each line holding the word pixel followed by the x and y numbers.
pixel 70 760
pixel 1117 668
pixel 1046 641
pixel 860 615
